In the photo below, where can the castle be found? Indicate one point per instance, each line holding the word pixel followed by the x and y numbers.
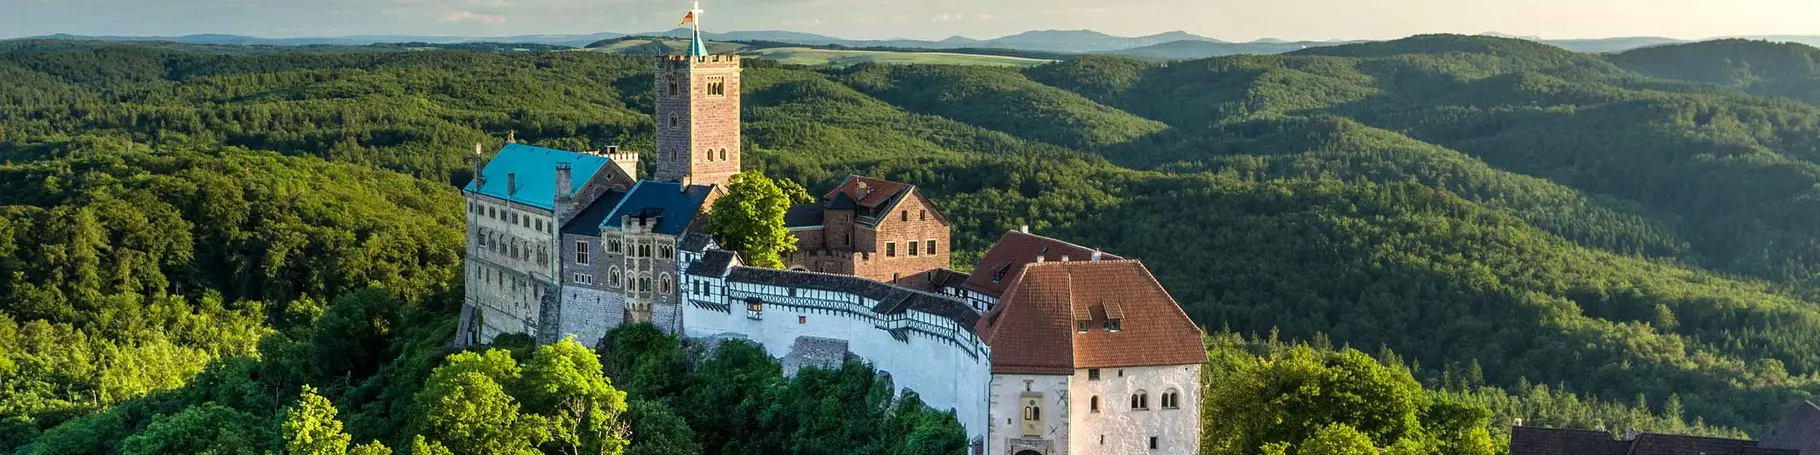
pixel 1047 348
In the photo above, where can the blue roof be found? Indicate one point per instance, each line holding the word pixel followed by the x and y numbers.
pixel 536 170
pixel 667 199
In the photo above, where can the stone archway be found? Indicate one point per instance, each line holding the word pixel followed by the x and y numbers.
pixel 1029 452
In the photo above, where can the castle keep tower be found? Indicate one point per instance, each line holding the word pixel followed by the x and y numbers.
pixel 697 115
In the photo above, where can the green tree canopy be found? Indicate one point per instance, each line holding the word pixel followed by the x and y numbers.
pixel 750 219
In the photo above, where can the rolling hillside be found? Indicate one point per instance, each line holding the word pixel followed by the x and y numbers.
pixel 1628 237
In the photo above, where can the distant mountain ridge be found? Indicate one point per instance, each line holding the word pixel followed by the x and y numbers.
pixel 1173 45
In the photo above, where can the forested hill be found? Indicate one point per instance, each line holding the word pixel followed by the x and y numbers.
pixel 1576 240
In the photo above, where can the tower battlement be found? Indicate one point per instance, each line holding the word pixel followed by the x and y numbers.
pixel 679 62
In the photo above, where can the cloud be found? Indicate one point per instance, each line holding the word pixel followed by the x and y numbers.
pixel 470 16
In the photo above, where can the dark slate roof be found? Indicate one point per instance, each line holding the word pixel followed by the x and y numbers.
pixel 676 204
pixel 803 215
pixel 1554 441
pixel 695 242
pixel 536 171
pixel 587 222
pixel 946 277
pixel 1799 430
pixel 713 263
pixel 1559 441
pixel 892 299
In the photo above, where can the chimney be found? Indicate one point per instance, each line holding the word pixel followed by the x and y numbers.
pixel 1024 229
pixel 612 149
pixel 512 137
pixel 511 184
pixel 480 180
pixel 1064 258
pixel 1096 255
pixel 1039 259
pixel 563 183
pixel 1517 422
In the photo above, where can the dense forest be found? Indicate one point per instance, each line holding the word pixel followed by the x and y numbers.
pixel 194 234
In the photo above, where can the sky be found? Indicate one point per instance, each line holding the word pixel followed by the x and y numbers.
pixel 1234 20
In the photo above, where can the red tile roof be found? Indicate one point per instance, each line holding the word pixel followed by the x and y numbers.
pixel 867 191
pixel 1007 258
pixel 1033 329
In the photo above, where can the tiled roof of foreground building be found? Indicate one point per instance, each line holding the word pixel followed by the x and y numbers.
pixel 1007 258
pixel 535 170
pixel 1554 441
pixel 892 299
pixel 1129 320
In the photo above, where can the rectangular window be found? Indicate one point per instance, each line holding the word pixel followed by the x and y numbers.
pixel 1112 325
pixel 929 246
pixel 514 217
pixel 922 216
pixel 581 252
pixel 1093 374
pixel 802 319
pixel 913 247
pixel 890 249
pixel 1153 443
pixel 1080 326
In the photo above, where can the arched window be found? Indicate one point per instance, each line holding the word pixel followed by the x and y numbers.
pixel 1093 404
pixel 1172 399
pixel 644 283
pixel 514 252
pixel 1033 412
pixel 673 121
pixel 543 255
pixel 723 154
pixel 673 85
pixel 1140 400
pixel 664 284
pixel 665 251
pixel 613 277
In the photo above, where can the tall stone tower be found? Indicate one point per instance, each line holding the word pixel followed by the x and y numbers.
pixel 697 117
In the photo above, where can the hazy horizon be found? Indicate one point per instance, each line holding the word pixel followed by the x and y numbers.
pixel 1230 20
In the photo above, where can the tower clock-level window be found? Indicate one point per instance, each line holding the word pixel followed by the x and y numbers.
pixel 673 121
pixel 673 85
pixel 717 86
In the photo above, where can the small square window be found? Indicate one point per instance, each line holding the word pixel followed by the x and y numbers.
pixel 1093 374
pixel 802 319
pixel 1080 326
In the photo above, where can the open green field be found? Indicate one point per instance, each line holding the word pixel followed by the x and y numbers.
pixel 842 57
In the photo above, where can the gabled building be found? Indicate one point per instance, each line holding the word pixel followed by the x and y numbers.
pixel 1556 441
pixel 1091 357
pixel 871 228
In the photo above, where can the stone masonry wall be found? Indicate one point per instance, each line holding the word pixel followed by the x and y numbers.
pixel 922 225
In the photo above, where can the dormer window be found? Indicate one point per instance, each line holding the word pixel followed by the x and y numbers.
pixel 1080 326
pixel 1112 325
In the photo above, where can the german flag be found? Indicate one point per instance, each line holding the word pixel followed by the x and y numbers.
pixel 687 18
